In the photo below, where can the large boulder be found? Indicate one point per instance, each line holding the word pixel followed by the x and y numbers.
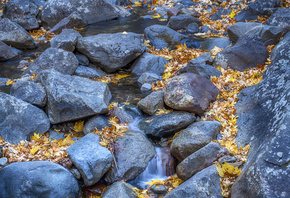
pixel 151 103
pixel 161 36
pixel 7 52
pixel 193 138
pixel 263 122
pixel 182 21
pixel 112 51
pixel 22 12
pixel 120 189
pixel 132 154
pixel 54 58
pixel 67 40
pixel 204 184
pixel 189 92
pixel 13 34
pixel 92 11
pixel 19 119
pixel 280 18
pixel 249 51
pixel 91 164
pixel 166 124
pixel 37 179
pixel 73 97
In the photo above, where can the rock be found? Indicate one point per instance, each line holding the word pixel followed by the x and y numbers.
pixel 13 34
pixel 120 189
pixel 55 136
pixel 161 36
pixel 19 119
pixel 112 51
pixel 91 164
pixel 88 72
pixel 133 110
pixel 54 58
pixel 148 77
pixel 73 97
pixel 203 70
pixel 182 21
pixel 31 92
pixel 151 103
pixel 67 40
pixel 204 58
pixel 122 115
pixel 210 43
pixel 22 12
pixel 249 51
pixel 132 154
pixel 228 159
pixel 146 87
pixel 204 184
pixel 186 11
pixel 98 70
pixel 149 63
pixel 122 12
pixel 37 179
pixel 1 154
pixel 92 11
pixel 189 92
pixel 193 28
pixel 238 29
pixel 75 173
pixel 158 189
pixel 3 82
pixel 98 121
pixel 74 20
pixel 219 13
pixel 172 12
pixel 263 123
pixel 280 18
pixel 7 52
pixel 3 161
pixel 199 160
pixel 83 60
pixel 166 124
pixel 193 138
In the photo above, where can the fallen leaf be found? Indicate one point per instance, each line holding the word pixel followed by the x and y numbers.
pixel 79 126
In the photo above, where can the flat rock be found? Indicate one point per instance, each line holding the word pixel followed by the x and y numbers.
pixel 182 21
pixel 210 43
pixel 151 103
pixel 120 189
pixel 7 52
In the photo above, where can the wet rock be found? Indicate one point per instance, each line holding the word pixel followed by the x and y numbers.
pixel 249 51
pixel 158 189
pixel 54 58
pixel 151 103
pixel 166 124
pixel 161 36
pixel 67 40
pixel 74 20
pixel 88 72
pixel 133 110
pixel 182 21
pixel 193 28
pixel 19 119
pixel 280 18
pixel 7 52
pixel 263 123
pixel 22 12
pixel 97 122
pixel 133 152
pixel 146 87
pixel 189 92
pixel 204 184
pixel 219 13
pixel 199 160
pixel 73 97
pixel 92 11
pixel 120 189
pixel 122 115
pixel 193 138
pixel 210 43
pixel 91 164
pixel 31 92
pixel 83 60
pixel 149 63
pixel 112 51
pixel 36 179
pixel 16 36
pixel 148 77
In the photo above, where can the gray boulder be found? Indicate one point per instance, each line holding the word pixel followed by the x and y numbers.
pixel 120 189
pixel 92 11
pixel 112 51
pixel 280 18
pixel 199 160
pixel 31 92
pixel 210 43
pixel 54 58
pixel 148 77
pixel 161 36
pixel 67 40
pixel 37 179
pixel 13 34
pixel 149 63
pixel 151 103
pixel 132 154
pixel 88 72
pixel 238 29
pixel 249 51
pixel 91 164
pixel 166 124
pixel 193 138
pixel 122 115
pixel 7 52
pixel 19 119
pixel 193 28
pixel 182 21
pixel 204 184
pixel 73 97
pixel 189 92
pixel 204 58
pixel 22 12
pixel 97 122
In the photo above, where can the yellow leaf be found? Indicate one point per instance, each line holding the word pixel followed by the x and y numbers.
pixel 67 141
pixel 137 3
pixel 232 14
pixel 166 75
pixel 1 139
pixel 104 142
pixel 162 19
pixel 227 170
pixel 79 126
pixel 35 137
pixel 10 82
pixel 34 150
pixel 119 76
pixel 155 181
pixel 156 16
